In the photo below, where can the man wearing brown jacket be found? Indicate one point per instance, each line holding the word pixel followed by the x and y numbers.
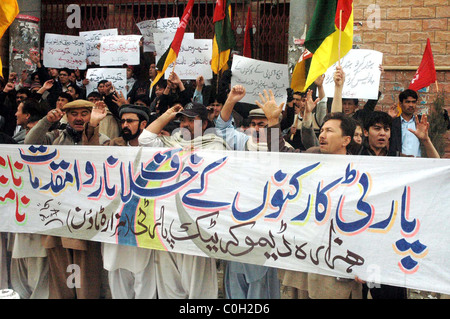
pixel 83 118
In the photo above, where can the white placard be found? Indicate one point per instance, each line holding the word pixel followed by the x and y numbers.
pixel 92 40
pixel 149 27
pixel 162 40
pixel 193 60
pixel 362 75
pixel 256 75
pixel 120 50
pixel 117 76
pixel 64 51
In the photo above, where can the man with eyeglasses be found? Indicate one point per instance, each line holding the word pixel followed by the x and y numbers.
pixel 131 270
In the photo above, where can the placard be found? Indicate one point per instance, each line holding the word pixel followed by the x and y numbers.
pixel 92 40
pixel 119 50
pixel 193 60
pixel 149 27
pixel 362 75
pixel 256 75
pixel 64 51
pixel 117 76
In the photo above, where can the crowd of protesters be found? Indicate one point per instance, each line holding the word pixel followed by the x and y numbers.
pixel 51 106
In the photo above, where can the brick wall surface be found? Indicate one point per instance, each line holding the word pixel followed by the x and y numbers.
pixel 402 32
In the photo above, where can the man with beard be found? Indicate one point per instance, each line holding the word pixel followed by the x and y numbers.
pixel 131 270
pixel 181 276
pixel 83 118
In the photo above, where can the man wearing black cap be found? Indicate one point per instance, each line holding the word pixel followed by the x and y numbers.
pixel 194 129
pixel 133 120
pixel 182 276
pixel 131 269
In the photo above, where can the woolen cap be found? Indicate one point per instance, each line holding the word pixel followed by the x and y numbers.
pixel 144 111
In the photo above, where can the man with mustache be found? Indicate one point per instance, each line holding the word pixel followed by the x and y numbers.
pixel 131 270
pixel 182 276
pixel 335 137
pixel 82 127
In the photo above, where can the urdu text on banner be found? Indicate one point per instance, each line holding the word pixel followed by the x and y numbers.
pixel 383 219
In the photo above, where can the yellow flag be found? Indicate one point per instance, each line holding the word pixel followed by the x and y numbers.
pixel 9 9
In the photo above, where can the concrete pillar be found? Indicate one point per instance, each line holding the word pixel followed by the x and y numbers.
pixel 300 14
pixel 24 35
pixel 30 7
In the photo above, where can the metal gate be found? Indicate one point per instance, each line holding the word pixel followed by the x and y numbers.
pixel 270 20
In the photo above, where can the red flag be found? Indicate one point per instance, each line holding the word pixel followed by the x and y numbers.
pixel 170 56
pixel 426 73
pixel 346 7
pixel 248 38
pixel 219 11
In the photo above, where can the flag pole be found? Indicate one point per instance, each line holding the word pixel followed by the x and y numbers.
pixel 437 88
pixel 340 35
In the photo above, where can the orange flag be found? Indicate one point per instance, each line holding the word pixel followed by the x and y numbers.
pixel 9 9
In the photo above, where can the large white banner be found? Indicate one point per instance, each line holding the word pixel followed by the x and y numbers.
pixel 362 75
pixel 64 51
pixel 382 219
pixel 257 75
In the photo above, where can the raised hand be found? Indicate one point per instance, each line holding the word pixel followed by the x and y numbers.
pixel 48 84
pixel 98 113
pixel 8 87
pixel 421 133
pixel 120 99
pixel 200 83
pixel 393 111
pixel 237 93
pixel 270 107
pixel 319 81
pixel 339 76
pixel 310 104
pixel 55 115
pixel 422 127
